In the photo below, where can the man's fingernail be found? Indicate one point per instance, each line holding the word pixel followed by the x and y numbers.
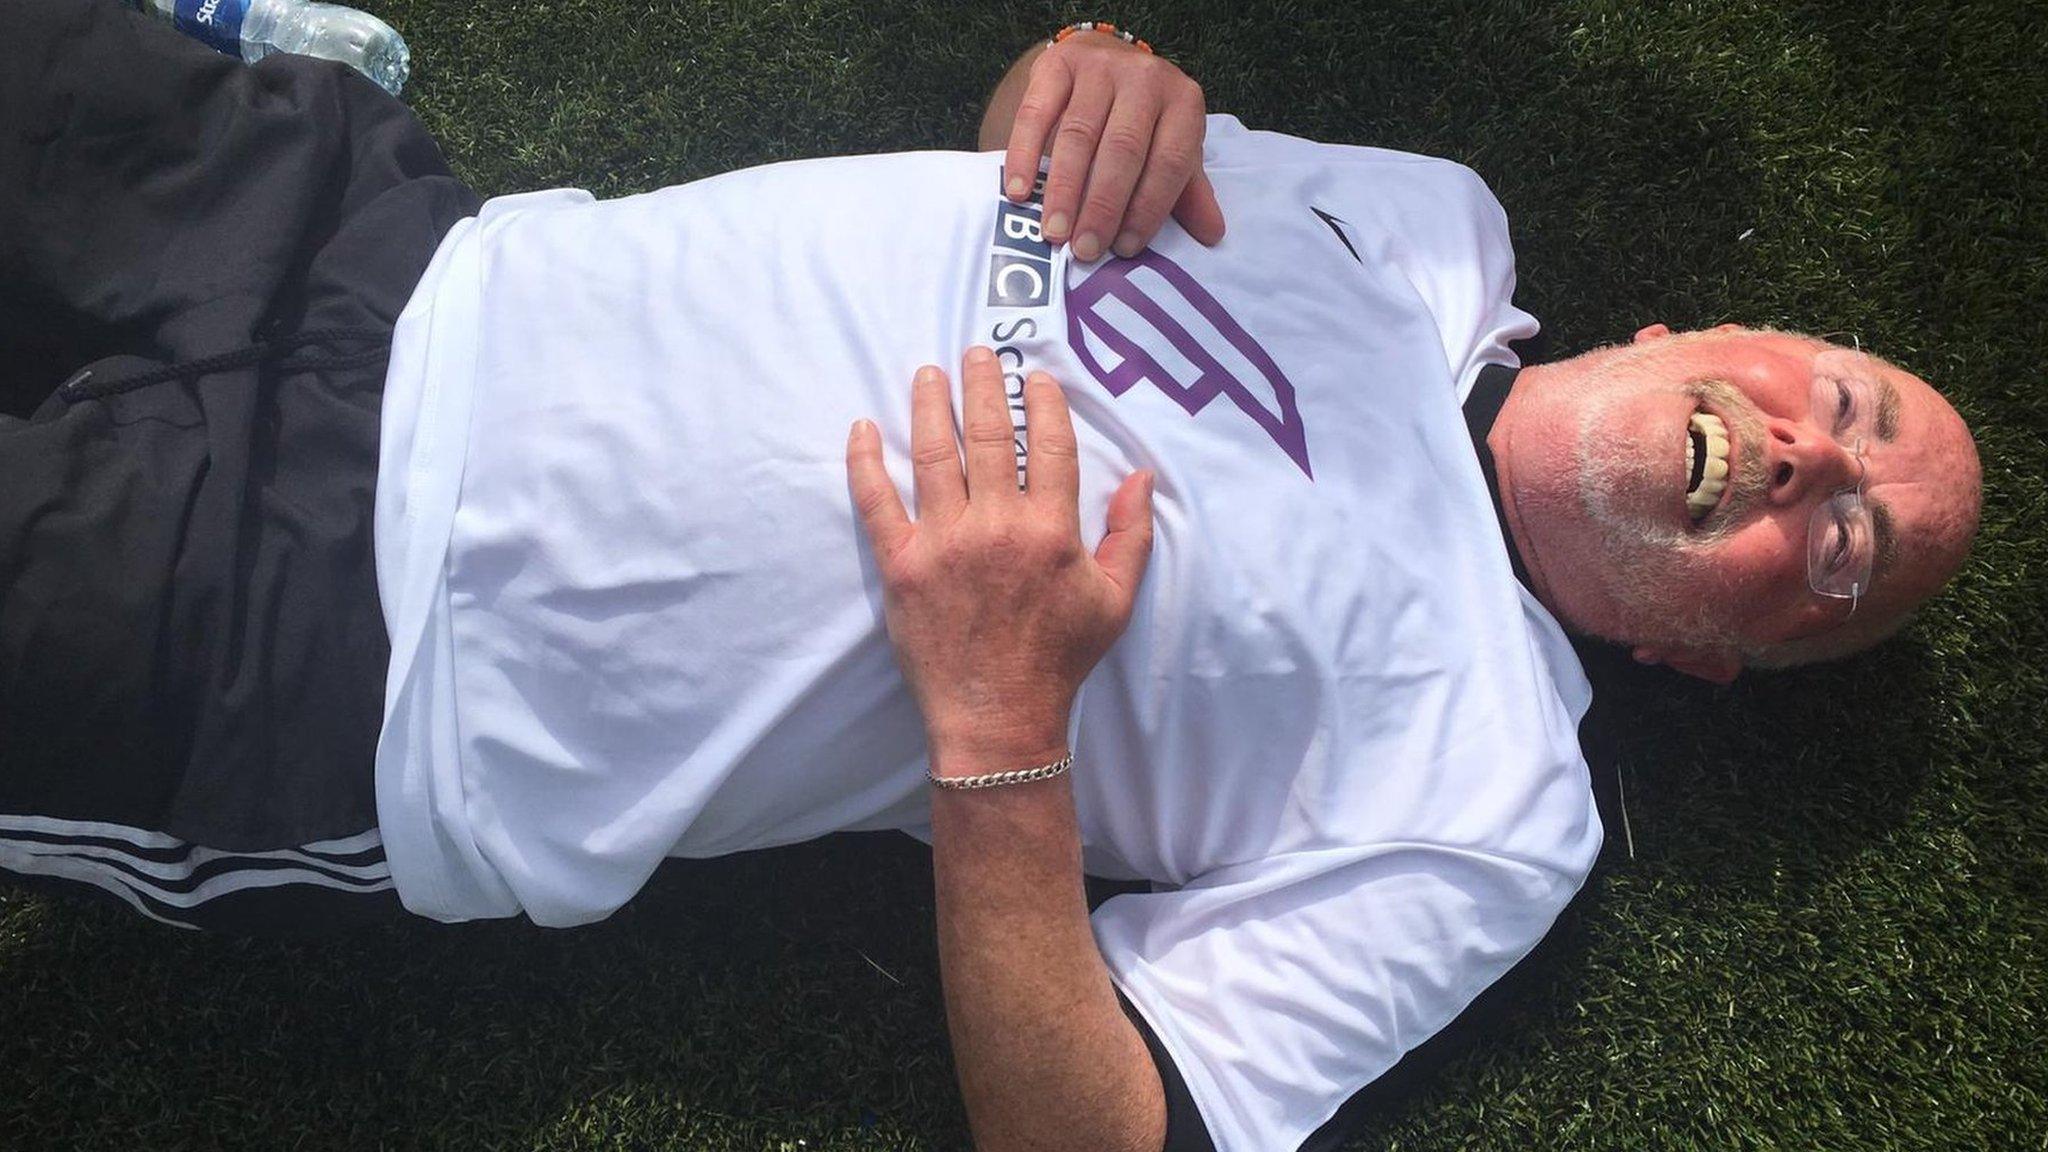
pixel 1016 187
pixel 1087 247
pixel 1055 225
pixel 1129 244
pixel 980 354
pixel 929 374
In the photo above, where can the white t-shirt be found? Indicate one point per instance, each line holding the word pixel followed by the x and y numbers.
pixel 632 617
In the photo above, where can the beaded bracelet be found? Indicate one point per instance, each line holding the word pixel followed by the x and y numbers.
pixel 993 779
pixel 1099 26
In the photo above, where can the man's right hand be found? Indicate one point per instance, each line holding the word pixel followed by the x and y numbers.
pixel 996 609
pixel 1124 128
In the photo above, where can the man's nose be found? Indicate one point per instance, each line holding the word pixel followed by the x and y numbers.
pixel 1802 458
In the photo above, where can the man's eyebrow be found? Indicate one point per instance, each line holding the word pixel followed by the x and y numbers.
pixel 1887 410
pixel 1887 545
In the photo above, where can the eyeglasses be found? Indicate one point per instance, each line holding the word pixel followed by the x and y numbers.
pixel 1841 537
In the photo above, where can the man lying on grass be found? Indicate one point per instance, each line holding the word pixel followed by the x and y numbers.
pixel 1244 569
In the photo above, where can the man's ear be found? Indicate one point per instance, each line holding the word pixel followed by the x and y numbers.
pixel 1714 665
pixel 1652 332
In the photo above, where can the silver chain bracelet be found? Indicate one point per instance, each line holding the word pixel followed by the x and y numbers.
pixel 997 779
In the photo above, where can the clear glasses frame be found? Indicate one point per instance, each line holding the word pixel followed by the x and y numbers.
pixel 1841 535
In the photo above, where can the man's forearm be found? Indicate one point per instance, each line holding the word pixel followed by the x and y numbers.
pixel 1046 1056
pixel 997 612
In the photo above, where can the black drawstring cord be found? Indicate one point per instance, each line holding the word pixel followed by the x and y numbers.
pixel 83 387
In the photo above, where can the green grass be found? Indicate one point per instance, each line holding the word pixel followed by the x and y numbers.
pixel 1831 931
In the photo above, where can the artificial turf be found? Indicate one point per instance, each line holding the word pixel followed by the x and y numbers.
pixel 1823 925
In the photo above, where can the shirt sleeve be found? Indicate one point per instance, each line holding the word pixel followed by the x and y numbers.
pixel 1455 250
pixel 1281 987
pixel 1434 221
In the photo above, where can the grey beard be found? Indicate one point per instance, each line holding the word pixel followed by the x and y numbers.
pixel 1641 556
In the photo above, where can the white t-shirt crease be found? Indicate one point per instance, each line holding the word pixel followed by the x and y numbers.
pixel 632 616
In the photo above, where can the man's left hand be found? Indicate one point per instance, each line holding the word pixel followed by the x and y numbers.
pixel 1125 131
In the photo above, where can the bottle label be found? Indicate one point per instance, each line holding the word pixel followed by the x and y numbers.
pixel 214 22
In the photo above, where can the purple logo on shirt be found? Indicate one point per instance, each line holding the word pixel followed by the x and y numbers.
pixel 1112 280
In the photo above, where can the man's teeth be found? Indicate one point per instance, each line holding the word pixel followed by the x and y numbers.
pixel 1706 429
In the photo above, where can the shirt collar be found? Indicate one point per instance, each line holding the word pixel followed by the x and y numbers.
pixel 1482 406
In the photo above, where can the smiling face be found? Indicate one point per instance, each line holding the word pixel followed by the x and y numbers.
pixel 1596 456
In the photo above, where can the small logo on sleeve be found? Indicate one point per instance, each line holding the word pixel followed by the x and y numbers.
pixel 1337 224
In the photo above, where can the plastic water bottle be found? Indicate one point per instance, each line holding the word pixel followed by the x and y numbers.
pixel 253 29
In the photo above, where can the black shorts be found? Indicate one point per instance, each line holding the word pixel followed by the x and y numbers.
pixel 192 655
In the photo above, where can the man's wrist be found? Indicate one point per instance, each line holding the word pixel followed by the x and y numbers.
pixel 1031 825
pixel 978 749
